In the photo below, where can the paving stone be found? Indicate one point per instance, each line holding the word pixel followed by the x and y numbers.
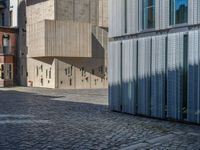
pixel 35 118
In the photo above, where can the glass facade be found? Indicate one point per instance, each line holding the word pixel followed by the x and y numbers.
pixel 148 14
pixel 178 11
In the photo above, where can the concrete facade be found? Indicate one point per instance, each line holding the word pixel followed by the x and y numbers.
pixel 154 58
pixel 72 45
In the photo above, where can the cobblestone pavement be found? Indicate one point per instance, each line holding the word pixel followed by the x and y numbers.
pixel 34 118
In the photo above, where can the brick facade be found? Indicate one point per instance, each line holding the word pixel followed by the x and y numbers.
pixel 8 56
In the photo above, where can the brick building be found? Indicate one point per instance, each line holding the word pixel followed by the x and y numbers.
pixel 8 46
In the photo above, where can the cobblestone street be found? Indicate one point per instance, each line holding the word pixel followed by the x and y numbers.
pixel 34 118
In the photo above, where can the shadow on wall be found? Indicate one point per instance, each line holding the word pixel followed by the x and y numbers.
pixel 33 2
pixel 174 96
pixel 89 64
pixel 97 49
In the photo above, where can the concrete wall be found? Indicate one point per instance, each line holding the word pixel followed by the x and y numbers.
pixel 67 73
pixel 86 73
pixel 41 73
pixel 90 11
pixel 71 38
pixel 40 11
pixel 36 39
pixel 59 38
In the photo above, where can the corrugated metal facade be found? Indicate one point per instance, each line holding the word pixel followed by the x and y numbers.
pixel 194 77
pixel 114 72
pixel 144 77
pixel 158 76
pixel 154 73
pixel 175 76
pixel 129 76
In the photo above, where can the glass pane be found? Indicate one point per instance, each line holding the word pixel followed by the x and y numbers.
pixel 181 11
pixel 149 14
pixel 178 11
pixel 172 12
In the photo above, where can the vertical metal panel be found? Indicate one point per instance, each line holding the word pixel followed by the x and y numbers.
pixel 114 55
pixel 158 76
pixel 194 77
pixel 144 63
pixel 162 14
pixel 157 14
pixel 175 76
pixel 132 16
pixel 140 15
pixel 193 11
pixel 129 65
pixel 117 15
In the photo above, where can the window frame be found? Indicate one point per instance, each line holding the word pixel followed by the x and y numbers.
pixel 145 15
pixel 173 14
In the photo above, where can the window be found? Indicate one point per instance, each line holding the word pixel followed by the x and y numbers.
pixel 178 11
pixel 2 72
pixel 41 67
pixel 70 82
pixel 2 19
pixel 50 73
pixel 6 71
pixel 11 18
pixel 148 14
pixel 46 73
pixel 10 71
pixel 6 43
pixel 37 71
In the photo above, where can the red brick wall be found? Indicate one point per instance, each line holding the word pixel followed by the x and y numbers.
pixel 12 33
pixel 12 37
pixel 7 59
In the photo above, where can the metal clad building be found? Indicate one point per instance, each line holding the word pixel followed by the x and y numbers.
pixel 154 58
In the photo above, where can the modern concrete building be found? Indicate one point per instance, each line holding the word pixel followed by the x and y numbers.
pixel 67 43
pixel 154 58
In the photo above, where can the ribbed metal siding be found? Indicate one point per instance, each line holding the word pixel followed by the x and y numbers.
pixel 162 14
pixel 194 77
pixel 129 76
pixel 158 75
pixel 116 18
pixel 193 11
pixel 114 67
pixel 175 76
pixel 140 15
pixel 132 16
pixel 144 64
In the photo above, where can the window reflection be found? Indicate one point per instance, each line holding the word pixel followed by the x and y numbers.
pixel 178 11
pixel 149 14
